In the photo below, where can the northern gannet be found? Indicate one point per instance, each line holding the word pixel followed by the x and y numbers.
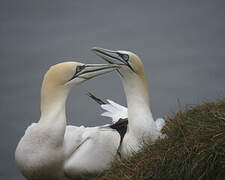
pixel 50 150
pixel 141 126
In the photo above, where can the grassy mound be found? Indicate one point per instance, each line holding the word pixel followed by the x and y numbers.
pixel 194 149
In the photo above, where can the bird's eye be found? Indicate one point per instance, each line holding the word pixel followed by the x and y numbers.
pixel 125 57
pixel 79 68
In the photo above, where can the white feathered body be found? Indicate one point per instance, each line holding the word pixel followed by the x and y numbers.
pixel 141 127
pixel 38 157
pixel 147 128
pixel 50 150
pixel 84 150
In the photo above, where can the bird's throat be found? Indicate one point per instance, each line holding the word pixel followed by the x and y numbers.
pixel 139 113
pixel 53 102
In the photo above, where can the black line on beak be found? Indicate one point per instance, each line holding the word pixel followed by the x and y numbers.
pixel 123 61
pixel 89 71
pixel 95 70
pixel 102 52
pixel 130 66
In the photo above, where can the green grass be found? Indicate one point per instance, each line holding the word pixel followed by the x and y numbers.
pixel 194 149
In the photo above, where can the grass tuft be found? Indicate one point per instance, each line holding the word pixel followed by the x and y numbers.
pixel 194 149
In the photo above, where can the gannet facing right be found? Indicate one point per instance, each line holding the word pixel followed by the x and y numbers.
pixel 141 126
pixel 50 150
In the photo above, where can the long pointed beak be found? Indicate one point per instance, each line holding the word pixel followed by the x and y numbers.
pixel 110 56
pixel 92 70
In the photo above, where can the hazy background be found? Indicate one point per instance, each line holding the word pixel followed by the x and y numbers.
pixel 181 43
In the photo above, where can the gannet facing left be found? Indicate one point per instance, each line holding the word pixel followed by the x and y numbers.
pixel 141 126
pixel 50 150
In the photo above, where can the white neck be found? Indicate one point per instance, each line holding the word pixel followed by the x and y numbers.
pixel 139 113
pixel 53 101
pixel 53 115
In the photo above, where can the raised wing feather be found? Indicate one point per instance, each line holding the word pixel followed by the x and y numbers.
pixel 114 110
pixel 117 111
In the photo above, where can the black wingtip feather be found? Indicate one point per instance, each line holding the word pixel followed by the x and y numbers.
pixel 121 127
pixel 99 101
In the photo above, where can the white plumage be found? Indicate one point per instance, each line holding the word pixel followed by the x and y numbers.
pixel 51 150
pixel 117 111
pixel 141 125
pixel 114 111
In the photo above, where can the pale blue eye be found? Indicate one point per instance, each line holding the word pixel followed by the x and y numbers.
pixel 125 57
pixel 79 68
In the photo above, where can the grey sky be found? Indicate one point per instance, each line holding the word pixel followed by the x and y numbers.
pixel 181 43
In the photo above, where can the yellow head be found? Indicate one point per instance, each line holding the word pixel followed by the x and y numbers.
pixel 61 77
pixel 131 70
pixel 130 64
pixel 68 74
